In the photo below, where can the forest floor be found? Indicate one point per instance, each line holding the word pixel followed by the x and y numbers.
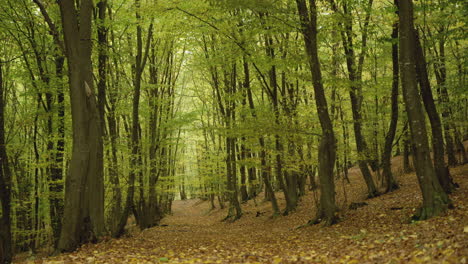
pixel 380 232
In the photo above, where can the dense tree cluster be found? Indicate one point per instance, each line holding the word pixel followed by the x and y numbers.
pixel 112 108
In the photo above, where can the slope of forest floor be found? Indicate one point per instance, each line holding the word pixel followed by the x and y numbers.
pixel 379 232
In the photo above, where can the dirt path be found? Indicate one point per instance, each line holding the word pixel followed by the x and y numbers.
pixel 372 234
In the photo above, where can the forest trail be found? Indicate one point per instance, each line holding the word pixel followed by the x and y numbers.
pixel 379 232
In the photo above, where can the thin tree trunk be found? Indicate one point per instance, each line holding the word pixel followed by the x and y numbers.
pixel 438 152
pixel 389 180
pixel 135 161
pixel 243 172
pixel 56 168
pixel 440 71
pixel 290 197
pixel 252 178
pixel 56 176
pixel 6 246
pixel 326 211
pixel 407 168
pixel 263 156
pixel 113 133
pixel 345 130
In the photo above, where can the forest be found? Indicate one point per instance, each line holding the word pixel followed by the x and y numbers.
pixel 233 131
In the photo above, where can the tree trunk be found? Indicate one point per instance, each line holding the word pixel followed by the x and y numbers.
pixel 326 212
pixel 230 119
pixel 56 167
pixel 355 93
pixel 438 152
pixel 135 161
pixel 252 178
pixel 435 200
pixel 243 172
pixel 56 201
pixel 440 71
pixel 235 211
pixel 102 60
pixel 389 180
pixel 290 197
pixel 261 140
pixel 6 246
pixel 84 193
pixel 407 168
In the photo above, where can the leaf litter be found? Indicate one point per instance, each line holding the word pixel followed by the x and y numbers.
pixel 379 232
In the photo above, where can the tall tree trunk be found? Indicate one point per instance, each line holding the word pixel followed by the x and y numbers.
pixel 290 197
pixel 56 168
pixel 261 140
pixel 84 193
pixel 112 121
pixel 435 200
pixel 56 175
pixel 389 180
pixel 326 212
pixel 440 71
pixel 135 161
pixel 438 152
pixel 102 60
pixel 6 246
pixel 154 121
pixel 355 93
pixel 230 119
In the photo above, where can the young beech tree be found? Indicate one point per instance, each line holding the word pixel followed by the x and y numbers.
pixel 84 194
pixel 435 200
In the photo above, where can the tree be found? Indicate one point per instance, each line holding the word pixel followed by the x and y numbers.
pixel 355 65
pixel 6 247
pixel 218 101
pixel 326 212
pixel 84 194
pixel 138 68
pixel 56 163
pixel 441 169
pixel 390 182
pixel 435 200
